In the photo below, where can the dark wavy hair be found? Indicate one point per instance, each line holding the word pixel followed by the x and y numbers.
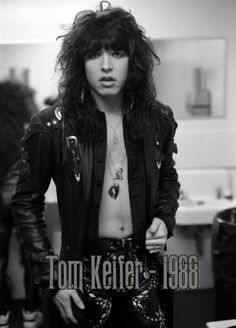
pixel 111 28
pixel 16 108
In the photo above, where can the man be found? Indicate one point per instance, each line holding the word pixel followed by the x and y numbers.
pixel 108 146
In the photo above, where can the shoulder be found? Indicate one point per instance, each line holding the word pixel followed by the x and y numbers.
pixel 49 117
pixel 46 120
pixel 164 115
pixel 163 111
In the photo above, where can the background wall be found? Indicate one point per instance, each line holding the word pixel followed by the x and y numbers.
pixel 203 143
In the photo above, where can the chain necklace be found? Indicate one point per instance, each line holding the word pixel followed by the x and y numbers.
pixel 115 136
pixel 113 191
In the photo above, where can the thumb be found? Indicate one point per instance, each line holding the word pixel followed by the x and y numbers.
pixel 77 299
pixel 154 226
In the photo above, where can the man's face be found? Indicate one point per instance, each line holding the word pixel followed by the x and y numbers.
pixel 106 72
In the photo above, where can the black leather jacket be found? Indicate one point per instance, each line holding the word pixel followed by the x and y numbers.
pixel 77 169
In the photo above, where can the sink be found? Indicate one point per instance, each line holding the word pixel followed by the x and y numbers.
pixel 201 211
pixel 205 192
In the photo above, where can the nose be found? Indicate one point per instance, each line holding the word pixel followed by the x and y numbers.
pixel 106 62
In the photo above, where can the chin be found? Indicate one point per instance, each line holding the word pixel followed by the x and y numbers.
pixel 108 93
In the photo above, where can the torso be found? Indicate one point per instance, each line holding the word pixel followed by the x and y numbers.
pixel 115 214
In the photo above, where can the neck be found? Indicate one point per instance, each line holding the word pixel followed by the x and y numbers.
pixel 109 105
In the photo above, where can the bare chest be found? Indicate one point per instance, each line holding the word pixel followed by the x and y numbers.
pixel 115 213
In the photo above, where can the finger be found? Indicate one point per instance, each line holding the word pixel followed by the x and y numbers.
pixel 149 233
pixel 151 251
pixel 69 314
pixel 160 233
pixel 154 236
pixel 61 310
pixel 155 247
pixel 78 301
pixel 155 242
pixel 154 226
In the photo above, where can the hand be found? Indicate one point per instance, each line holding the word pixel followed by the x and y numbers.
pixel 156 236
pixel 63 302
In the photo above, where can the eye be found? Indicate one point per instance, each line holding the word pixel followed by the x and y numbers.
pixel 92 55
pixel 119 53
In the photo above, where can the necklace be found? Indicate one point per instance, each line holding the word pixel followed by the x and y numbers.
pixel 113 191
pixel 115 136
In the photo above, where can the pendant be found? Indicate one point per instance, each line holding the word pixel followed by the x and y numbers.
pixel 77 177
pixel 115 138
pixel 114 190
pixel 119 174
pixel 158 165
pixel 146 274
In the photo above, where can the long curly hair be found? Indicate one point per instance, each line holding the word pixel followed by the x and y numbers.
pixel 16 108
pixel 111 28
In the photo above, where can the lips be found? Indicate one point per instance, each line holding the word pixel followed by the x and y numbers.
pixel 106 79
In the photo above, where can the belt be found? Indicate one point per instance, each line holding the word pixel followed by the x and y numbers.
pixel 107 245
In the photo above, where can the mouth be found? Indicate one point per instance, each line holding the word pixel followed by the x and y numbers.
pixel 107 79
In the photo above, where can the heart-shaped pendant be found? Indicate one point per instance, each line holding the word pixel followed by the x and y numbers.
pixel 114 190
pixel 146 274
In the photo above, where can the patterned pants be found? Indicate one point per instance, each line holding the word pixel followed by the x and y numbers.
pixel 118 270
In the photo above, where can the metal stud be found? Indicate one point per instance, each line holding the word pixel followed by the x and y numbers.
pixel 58 113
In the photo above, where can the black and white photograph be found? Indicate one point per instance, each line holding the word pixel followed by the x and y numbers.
pixel 117 164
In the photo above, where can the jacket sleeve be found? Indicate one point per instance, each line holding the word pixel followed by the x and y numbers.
pixel 166 203
pixel 28 201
